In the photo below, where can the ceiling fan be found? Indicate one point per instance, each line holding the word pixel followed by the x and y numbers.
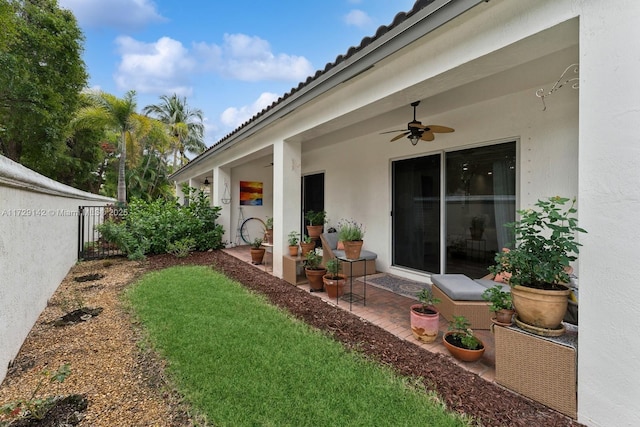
pixel 417 131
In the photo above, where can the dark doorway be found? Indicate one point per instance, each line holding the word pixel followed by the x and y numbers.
pixel 312 195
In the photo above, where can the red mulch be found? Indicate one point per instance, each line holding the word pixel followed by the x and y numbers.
pixel 461 390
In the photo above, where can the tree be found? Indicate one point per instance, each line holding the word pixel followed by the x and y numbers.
pixel 118 114
pixel 185 125
pixel 41 79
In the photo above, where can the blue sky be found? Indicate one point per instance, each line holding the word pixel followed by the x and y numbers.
pixel 229 58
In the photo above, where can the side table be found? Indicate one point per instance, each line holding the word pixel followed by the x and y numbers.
pixel 350 296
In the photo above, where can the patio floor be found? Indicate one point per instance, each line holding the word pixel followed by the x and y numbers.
pixel 390 311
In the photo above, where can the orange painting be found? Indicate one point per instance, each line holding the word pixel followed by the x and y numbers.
pixel 250 193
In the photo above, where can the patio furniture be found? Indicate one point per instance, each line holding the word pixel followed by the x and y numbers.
pixel 462 296
pixel 330 250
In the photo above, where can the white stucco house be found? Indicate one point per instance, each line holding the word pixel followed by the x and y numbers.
pixel 477 67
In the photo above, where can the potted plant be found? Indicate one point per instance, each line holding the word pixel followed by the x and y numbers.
pixel 257 251
pixel 333 281
pixel 350 233
pixel 268 229
pixel 425 317
pixel 538 267
pixel 293 239
pixel 314 271
pixel 477 227
pixel 307 245
pixel 500 303
pixel 317 220
pixel 461 342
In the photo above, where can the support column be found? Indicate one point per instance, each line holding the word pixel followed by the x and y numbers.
pixel 221 196
pixel 287 161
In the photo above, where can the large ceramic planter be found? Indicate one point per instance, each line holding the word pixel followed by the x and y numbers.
pixel 425 326
pixel 314 231
pixel 460 353
pixel 306 248
pixel 334 287
pixel 352 248
pixel 257 255
pixel 543 309
pixel 315 279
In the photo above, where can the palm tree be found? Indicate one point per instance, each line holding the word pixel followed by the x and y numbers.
pixel 117 113
pixel 185 125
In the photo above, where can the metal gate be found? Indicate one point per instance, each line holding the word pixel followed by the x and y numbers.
pixel 90 243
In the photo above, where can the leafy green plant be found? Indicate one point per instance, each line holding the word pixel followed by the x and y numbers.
pixel 313 260
pixel 257 242
pixel 545 245
pixel 268 224
pixel 316 218
pixel 350 230
pixel 499 299
pixel 427 299
pixel 72 301
pixel 461 328
pixel 333 268
pixel 182 247
pixel 37 407
pixel 293 238
pixel 306 239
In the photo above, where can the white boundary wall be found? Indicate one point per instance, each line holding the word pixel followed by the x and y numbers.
pixel 38 246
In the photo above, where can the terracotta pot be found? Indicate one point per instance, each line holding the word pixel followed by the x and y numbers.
pixel 306 248
pixel 352 248
pixel 505 316
pixel 268 235
pixel 540 308
pixel 257 255
pixel 463 354
pixel 293 250
pixel 315 279
pixel 314 231
pixel 425 326
pixel 334 287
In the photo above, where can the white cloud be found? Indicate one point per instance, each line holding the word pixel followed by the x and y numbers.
pixel 248 58
pixel 120 14
pixel 358 18
pixel 162 67
pixel 234 117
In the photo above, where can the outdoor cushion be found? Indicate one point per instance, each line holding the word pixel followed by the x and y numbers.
pixel 458 287
pixel 363 254
pixel 487 283
pixel 332 240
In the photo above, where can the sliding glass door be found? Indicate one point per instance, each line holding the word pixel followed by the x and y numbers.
pixel 479 198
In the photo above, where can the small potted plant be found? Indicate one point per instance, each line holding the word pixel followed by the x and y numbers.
pixel 425 317
pixel 257 251
pixel 461 342
pixel 314 271
pixel 500 303
pixel 307 244
pixel 293 239
pixel 268 229
pixel 538 267
pixel 351 233
pixel 316 220
pixel 333 280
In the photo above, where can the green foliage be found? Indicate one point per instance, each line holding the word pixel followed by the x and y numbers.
pixel 461 327
pixel 349 230
pixel 40 83
pixel 257 242
pixel 306 239
pixel 427 299
pixel 545 244
pixel 499 299
pixel 333 267
pixel 182 247
pixel 268 224
pixel 37 407
pixel 316 218
pixel 293 237
pixel 313 260
pixel 150 227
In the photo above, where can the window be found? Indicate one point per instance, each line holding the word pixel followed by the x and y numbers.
pixel 479 198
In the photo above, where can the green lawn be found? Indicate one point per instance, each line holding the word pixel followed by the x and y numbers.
pixel 242 362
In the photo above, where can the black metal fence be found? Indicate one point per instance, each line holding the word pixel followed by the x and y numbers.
pixel 90 244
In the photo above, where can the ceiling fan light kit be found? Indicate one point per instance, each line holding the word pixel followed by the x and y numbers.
pixel 416 131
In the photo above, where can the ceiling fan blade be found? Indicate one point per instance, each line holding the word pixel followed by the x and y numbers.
pixel 427 136
pixel 440 129
pixel 397 137
pixel 393 131
pixel 416 125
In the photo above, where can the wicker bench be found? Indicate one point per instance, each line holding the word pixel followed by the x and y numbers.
pixel 461 296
